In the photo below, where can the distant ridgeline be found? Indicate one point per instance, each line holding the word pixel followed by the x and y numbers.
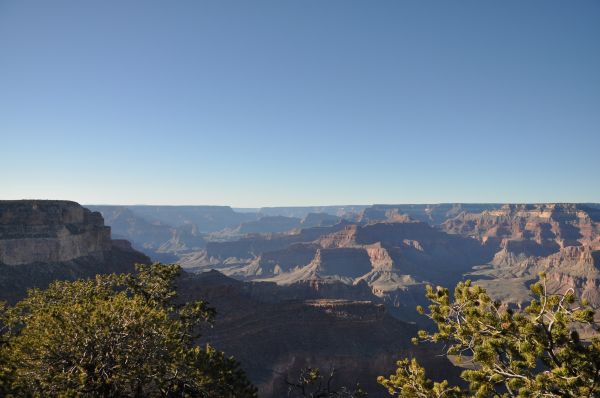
pixel 397 249
pixel 165 233
pixel 393 249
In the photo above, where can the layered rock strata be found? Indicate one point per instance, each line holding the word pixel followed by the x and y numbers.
pixel 45 240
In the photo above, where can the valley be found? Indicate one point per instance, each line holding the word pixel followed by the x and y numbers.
pixel 394 249
pixel 299 287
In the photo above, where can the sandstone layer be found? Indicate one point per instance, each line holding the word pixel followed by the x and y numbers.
pixel 43 240
pixel 49 231
pixel 561 240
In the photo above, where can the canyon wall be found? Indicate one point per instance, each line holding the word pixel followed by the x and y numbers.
pixel 560 239
pixel 46 240
pixel 50 231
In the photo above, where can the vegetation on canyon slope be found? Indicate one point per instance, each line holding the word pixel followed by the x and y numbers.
pixel 115 335
pixel 314 383
pixel 536 352
pixel 126 335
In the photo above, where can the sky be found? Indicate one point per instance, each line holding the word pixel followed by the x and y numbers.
pixel 288 103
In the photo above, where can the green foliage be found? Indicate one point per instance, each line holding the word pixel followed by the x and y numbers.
pixel 115 335
pixel 410 382
pixel 312 383
pixel 536 352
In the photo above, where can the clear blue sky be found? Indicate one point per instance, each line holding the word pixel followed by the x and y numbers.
pixel 253 103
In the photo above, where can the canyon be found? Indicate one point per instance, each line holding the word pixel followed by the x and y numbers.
pixel 320 286
pixel 394 249
pixel 272 330
pixel 502 247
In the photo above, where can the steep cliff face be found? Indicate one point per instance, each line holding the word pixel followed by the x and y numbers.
pixel 550 225
pixel 576 267
pixel 562 240
pixel 49 231
pixel 41 241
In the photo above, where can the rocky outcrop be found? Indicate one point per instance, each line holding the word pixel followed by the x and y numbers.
pixel 559 224
pixel 561 240
pixel 41 241
pixel 50 231
pixel 343 264
pixel 275 262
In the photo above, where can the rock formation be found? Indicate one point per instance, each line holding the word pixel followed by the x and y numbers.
pixel 562 240
pixel 394 259
pixel 334 290
pixel 434 214
pixel 49 231
pixel 160 241
pixel 502 247
pixel 41 241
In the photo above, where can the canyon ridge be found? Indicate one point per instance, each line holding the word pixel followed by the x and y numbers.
pixel 313 286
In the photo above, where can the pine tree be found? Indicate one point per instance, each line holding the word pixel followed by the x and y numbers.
pixel 536 352
pixel 113 336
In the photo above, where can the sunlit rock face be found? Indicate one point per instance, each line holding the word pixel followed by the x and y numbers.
pixel 45 240
pixel 551 226
pixel 395 252
pixel 49 231
pixel 561 240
